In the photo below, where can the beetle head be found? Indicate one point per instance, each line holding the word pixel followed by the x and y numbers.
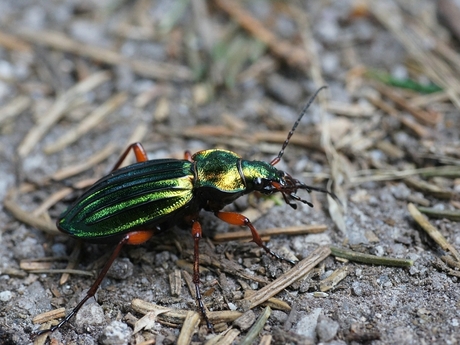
pixel 287 186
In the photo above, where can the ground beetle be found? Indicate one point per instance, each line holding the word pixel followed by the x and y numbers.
pixel 133 203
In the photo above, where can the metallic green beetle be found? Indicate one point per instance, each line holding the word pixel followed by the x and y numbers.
pixel 131 204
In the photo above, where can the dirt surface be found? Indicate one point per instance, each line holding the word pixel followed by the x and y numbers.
pixel 193 75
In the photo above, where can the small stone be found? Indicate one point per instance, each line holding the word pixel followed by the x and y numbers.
pixel 356 288
pixel 90 314
pixel 116 333
pixel 307 324
pixel 326 328
pixel 121 268
pixel 279 315
pixel 5 296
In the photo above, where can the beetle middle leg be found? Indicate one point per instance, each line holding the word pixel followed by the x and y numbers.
pixel 133 238
pixel 241 220
pixel 188 156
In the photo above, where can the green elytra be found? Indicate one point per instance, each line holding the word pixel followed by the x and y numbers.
pixel 132 204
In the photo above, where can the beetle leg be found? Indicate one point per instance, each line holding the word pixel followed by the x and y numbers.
pixel 135 237
pixel 241 220
pixel 197 234
pixel 188 156
pixel 139 151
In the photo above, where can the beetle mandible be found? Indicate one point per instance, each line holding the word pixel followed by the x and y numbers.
pixel 133 203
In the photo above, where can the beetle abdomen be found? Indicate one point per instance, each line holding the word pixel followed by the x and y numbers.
pixel 139 196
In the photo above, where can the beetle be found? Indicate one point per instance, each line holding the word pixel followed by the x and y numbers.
pixel 133 203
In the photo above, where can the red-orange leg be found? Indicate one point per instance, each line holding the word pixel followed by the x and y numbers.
pixel 139 151
pixel 241 220
pixel 188 156
pixel 197 234
pixel 134 238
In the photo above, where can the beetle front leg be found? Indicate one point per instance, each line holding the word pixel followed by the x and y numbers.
pixel 197 234
pixel 139 151
pixel 241 220
pixel 134 238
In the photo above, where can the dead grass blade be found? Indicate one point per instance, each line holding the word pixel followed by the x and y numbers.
pixel 150 69
pixel 294 274
pixel 291 54
pixel 432 231
pixel 58 110
pixel 28 218
pixel 90 121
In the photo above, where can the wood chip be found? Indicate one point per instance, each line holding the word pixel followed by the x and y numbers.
pixel 147 322
pixel 190 326
pixel 49 315
pixel 175 283
pixel 272 302
pixel 336 277
pixel 177 316
pixel 226 338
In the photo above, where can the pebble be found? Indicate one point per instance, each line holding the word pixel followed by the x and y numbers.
pixel 326 328
pixel 89 314
pixel 116 333
pixel 307 324
pixel 121 268
pixel 5 296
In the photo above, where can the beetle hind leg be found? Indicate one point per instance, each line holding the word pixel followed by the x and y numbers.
pixel 241 220
pixel 133 238
pixel 197 234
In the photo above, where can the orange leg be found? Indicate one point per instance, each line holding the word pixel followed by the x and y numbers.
pixel 139 151
pixel 188 156
pixel 134 238
pixel 241 220
pixel 197 234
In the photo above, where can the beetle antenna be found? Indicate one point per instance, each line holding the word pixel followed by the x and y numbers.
pixel 286 142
